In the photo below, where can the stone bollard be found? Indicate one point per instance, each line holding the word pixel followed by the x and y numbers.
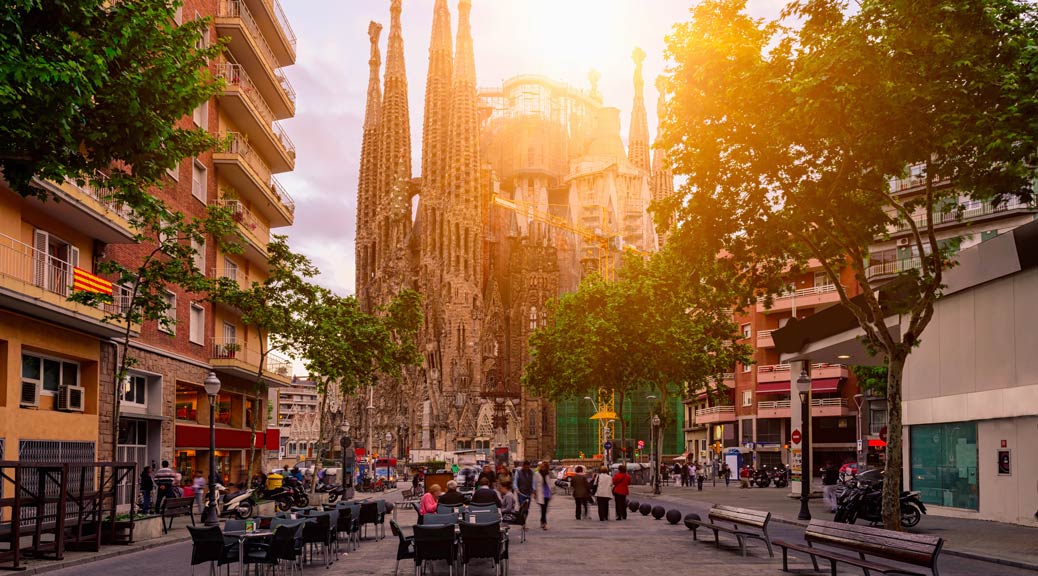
pixel 673 516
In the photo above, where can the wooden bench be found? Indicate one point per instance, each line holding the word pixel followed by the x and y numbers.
pixel 912 549
pixel 174 507
pixel 739 518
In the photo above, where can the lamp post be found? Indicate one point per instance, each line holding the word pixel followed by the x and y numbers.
pixel 371 417
pixel 656 454
pixel 652 443
pixel 804 391
pixel 212 387
pixel 859 400
pixel 346 445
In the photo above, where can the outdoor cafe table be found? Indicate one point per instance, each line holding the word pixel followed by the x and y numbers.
pixel 242 536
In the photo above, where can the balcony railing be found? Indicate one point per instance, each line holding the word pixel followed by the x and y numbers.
pixel 892 267
pixel 916 179
pixel 97 188
pixel 813 290
pixel 772 404
pixel 233 274
pixel 237 144
pixel 282 195
pixel 247 220
pixel 715 410
pixel 829 402
pixel 232 348
pixel 970 210
pixel 279 13
pixel 237 9
pixel 235 75
pixel 35 267
pixel 770 368
pixel 285 141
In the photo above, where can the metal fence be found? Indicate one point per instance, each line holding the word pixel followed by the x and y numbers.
pixel 49 451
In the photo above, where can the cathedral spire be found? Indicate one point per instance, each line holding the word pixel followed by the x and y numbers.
pixel 638 141
pixel 367 180
pixel 395 144
pixel 662 183
pixel 463 128
pixel 437 101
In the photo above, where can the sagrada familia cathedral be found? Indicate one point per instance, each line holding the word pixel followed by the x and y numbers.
pixel 524 188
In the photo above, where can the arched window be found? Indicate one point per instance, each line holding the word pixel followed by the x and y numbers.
pixel 533 318
pixel 532 420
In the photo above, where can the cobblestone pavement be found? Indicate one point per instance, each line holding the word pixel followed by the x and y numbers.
pixel 603 549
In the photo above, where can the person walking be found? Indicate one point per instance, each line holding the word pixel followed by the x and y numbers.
pixel 524 482
pixel 542 491
pixel 581 491
pixel 165 480
pixel 830 476
pixel 603 493
pixel 700 476
pixel 147 486
pixel 726 472
pixel 684 475
pixel 621 489
pixel 198 485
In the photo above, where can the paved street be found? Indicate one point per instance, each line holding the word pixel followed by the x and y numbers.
pixel 596 548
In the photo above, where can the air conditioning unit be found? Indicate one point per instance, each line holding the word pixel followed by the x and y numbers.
pixel 30 394
pixel 70 398
pixel 902 241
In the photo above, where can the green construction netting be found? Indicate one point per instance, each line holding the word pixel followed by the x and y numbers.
pixel 576 432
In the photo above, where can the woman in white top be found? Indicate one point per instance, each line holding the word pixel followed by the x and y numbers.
pixel 603 492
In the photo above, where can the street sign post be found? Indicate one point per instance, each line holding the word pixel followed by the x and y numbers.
pixel 608 445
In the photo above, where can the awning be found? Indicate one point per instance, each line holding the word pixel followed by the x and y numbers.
pixel 876 443
pixel 819 386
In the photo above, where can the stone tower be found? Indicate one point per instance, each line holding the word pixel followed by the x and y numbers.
pixel 638 142
pixel 367 181
pixel 662 176
pixel 393 210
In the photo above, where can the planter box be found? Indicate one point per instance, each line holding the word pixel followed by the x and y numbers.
pixel 147 529
pixel 127 532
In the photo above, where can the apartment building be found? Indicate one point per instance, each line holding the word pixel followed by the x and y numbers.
pixel 297 419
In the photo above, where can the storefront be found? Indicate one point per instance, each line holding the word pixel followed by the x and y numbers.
pixel 943 460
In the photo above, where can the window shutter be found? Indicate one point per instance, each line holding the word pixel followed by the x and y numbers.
pixel 41 242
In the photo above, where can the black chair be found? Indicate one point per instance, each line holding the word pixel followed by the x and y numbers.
pixel 317 532
pixel 520 520
pixel 482 505
pixel 286 545
pixel 448 508
pixel 434 543
pixel 208 545
pixel 405 549
pixel 439 519
pixel 482 515
pixel 380 523
pixel 369 515
pixel 481 541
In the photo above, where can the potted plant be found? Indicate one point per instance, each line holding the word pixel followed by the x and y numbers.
pixel 229 349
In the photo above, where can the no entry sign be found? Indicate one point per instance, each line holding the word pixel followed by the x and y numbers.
pixel 796 436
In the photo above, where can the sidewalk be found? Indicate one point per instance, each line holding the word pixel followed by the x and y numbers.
pixel 1009 544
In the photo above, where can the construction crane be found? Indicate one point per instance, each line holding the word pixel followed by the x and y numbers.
pixel 600 250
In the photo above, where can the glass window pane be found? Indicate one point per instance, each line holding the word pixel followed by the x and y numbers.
pixel 30 367
pixel 51 375
pixel 944 464
pixel 69 374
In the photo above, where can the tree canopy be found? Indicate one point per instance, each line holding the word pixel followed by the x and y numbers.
pixel 790 133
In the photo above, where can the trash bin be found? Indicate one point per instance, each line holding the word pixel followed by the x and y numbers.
pixel 274 481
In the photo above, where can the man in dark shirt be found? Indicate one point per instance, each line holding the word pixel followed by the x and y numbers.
pixel 487 474
pixel 451 497
pixel 485 495
pixel 830 476
pixel 524 482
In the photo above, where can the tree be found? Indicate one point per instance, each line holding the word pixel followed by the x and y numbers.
pixel 789 137
pixel 141 286
pixel 92 85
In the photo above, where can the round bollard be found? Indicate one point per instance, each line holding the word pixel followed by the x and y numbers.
pixel 690 520
pixel 673 516
pixel 633 505
pixel 658 512
pixel 390 506
pixel 645 509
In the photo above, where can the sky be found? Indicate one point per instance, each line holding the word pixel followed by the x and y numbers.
pixel 562 39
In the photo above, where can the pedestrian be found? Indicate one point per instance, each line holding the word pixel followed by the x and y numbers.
pixel 489 474
pixel 684 475
pixel 165 480
pixel 541 492
pixel 414 483
pixel 621 489
pixel 744 476
pixel 485 494
pixel 727 473
pixel 700 476
pixel 830 475
pixel 147 486
pixel 198 485
pixel 581 491
pixel 603 493
pixel 430 500
pixel 524 482
pixel 504 474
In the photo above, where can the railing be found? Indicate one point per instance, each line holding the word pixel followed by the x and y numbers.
pixel 282 195
pixel 877 421
pixel 286 85
pixel 237 144
pixel 97 188
pixel 232 348
pixel 237 9
pixel 772 404
pixel 235 75
pixel 247 220
pixel 892 267
pixel 915 179
pixel 278 364
pixel 812 291
pixel 829 402
pixel 279 13
pixel 715 410
pixel 285 141
pixel 233 274
pixel 970 210
pixel 27 264
pixel 768 368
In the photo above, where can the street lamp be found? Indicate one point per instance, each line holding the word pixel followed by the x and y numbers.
pixel 655 454
pixel 212 387
pixel 859 400
pixel 804 391
pixel 346 444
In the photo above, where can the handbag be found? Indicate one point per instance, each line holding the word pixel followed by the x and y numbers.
pixel 593 488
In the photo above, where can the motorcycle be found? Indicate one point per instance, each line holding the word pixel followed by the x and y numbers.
pixel 335 492
pixel 239 503
pixel 761 477
pixel 780 476
pixel 289 495
pixel 864 500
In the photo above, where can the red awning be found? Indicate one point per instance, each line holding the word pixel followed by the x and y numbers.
pixel 821 385
pixel 876 443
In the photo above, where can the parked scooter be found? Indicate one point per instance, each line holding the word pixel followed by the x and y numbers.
pixel 335 492
pixel 238 502
pixel 761 477
pixel 864 500
pixel 780 476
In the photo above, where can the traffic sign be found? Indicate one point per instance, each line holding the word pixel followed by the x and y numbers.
pixel 796 436
pixel 608 445
pixel 641 444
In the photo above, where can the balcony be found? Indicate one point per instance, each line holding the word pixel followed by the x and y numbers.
pixel 715 414
pixel 252 229
pixel 972 211
pixel 250 176
pixel 38 284
pixel 820 407
pixel 764 339
pixel 780 372
pixel 249 47
pixel 812 297
pixel 885 270
pixel 90 208
pixel 274 25
pixel 773 409
pixel 248 111
pixel 235 357
pixel 233 274
pixel 915 181
pixel 728 379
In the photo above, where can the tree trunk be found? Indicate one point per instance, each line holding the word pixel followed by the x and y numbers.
pixel 892 475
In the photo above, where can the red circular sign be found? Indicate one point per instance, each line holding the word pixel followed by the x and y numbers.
pixel 796 436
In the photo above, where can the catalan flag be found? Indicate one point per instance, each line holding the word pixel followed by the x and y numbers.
pixel 87 282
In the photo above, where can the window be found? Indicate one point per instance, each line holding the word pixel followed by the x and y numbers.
pixel 746 331
pixel 822 279
pixel 199 256
pixel 200 115
pixel 944 464
pixel 198 180
pixel 250 411
pixel 197 332
pixel 747 397
pixel 187 402
pixel 230 269
pixel 746 368
pixel 174 173
pixel 135 390
pixel 48 373
pixel 533 318
pixel 169 318
pixel 223 408
pixel 178 16
pixel 747 431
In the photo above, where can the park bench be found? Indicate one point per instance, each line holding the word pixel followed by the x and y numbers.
pixel 912 549
pixel 740 519
pixel 174 507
